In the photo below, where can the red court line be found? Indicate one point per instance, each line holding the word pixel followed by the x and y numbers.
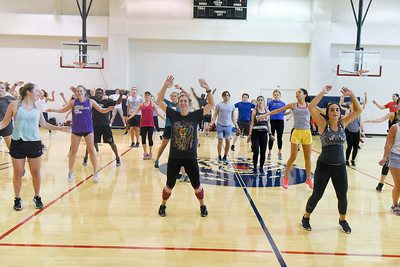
pixel 228 250
pixel 369 175
pixel 27 219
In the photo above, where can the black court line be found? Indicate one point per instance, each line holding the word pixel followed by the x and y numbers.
pixel 271 241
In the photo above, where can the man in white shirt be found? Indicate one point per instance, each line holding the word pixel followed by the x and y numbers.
pixel 118 107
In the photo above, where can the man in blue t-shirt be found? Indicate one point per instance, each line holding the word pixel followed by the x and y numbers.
pixel 245 108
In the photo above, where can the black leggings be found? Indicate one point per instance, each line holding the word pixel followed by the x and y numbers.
pixel 191 167
pixel 149 132
pixel 155 119
pixel 277 125
pixel 353 140
pixel 259 141
pixel 323 172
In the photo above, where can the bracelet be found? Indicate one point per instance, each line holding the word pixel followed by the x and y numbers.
pixel 208 91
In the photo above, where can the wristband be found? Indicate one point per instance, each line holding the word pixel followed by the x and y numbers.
pixel 208 91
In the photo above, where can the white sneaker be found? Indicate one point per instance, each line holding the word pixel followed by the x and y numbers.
pixel 71 176
pixel 96 177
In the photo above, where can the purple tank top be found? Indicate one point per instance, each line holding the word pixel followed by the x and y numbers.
pixel 82 117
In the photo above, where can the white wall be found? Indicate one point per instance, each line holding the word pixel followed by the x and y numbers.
pixel 36 59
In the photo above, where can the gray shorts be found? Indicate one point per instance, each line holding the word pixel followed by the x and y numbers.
pixel 394 160
pixel 224 132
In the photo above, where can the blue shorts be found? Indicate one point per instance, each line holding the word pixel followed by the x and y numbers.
pixel 394 160
pixel 224 132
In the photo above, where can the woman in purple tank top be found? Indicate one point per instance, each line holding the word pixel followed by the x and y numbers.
pixel 82 126
pixel 146 123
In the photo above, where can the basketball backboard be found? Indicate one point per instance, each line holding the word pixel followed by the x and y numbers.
pixel 359 63
pixel 81 55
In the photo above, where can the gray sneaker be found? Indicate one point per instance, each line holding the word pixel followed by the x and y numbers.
pixel 395 210
pixel 96 177
pixel 280 156
pixel 71 176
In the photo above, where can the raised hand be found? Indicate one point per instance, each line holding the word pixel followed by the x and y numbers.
pixel 327 88
pixel 374 102
pixel 19 83
pixel 53 92
pixel 61 94
pixel 177 86
pixel 203 84
pixel 346 91
pixel 169 81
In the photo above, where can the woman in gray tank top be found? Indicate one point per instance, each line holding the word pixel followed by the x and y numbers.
pixel 331 163
pixel 301 134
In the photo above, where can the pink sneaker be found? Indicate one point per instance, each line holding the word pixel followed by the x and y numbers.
pixel 145 156
pixel 150 155
pixel 285 182
pixel 310 183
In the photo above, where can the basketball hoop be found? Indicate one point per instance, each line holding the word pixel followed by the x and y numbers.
pixel 79 65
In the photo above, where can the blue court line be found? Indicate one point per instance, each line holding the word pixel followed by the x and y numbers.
pixel 271 241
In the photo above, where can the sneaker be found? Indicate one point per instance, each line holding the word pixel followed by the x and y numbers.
pixel 310 183
pixel 395 210
pixel 145 156
pixel 182 179
pixel 71 176
pixel 353 163
pixel 84 163
pixel 137 144
pixel 126 132
pixel 203 211
pixel 269 156
pixel 224 159
pixel 117 162
pixel 232 147
pixel 161 210
pixel 150 155
pixel 345 226
pixel 38 202
pixel 285 182
pixel 156 164
pixel 132 145
pixel 305 224
pixel 17 204
pixel 186 179
pixel 219 158
pixel 96 177
pixel 255 171
pixel 279 156
pixel 262 171
pixel 347 163
pixel 379 187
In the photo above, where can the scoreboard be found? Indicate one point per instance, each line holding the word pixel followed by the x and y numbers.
pixel 220 9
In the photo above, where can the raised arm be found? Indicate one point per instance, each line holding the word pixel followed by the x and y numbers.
pixel 96 106
pixel 378 105
pixel 52 98
pixel 365 101
pixel 341 101
pixel 183 91
pixel 210 98
pixel 64 109
pixel 315 113
pixel 121 94
pixel 63 98
pixel 357 108
pixel 194 93
pixel 160 97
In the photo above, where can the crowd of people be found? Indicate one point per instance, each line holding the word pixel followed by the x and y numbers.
pixel 261 120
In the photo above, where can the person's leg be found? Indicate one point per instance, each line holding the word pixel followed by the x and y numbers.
pixel 192 169
pixel 173 168
pixel 349 141
pixel 340 183
pixel 7 140
pixel 263 149
pixel 18 169
pixel 34 167
pixel 137 133
pixel 150 133
pixel 114 114
pixel 279 133
pixel 307 159
pixel 227 145
pixel 271 141
pixel 293 155
pixel 121 114
pixel 92 153
pixel 143 133
pixel 356 143
pixel 396 189
pixel 75 140
pixel 255 143
pixel 161 148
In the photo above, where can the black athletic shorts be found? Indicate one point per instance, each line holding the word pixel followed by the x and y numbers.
pixel 167 132
pixel 20 149
pixel 135 121
pixel 104 131
pixel 83 134
pixel 244 127
pixel 207 118
pixel 7 131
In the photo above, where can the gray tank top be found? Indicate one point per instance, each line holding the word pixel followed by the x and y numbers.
pixel 354 126
pixel 301 117
pixel 332 145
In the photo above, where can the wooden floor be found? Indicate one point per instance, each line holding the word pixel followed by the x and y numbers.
pixel 115 222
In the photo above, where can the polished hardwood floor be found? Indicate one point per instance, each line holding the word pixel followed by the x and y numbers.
pixel 250 223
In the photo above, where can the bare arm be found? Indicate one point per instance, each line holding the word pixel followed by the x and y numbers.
pixel 315 114
pixel 253 115
pixel 214 117
pixel 135 112
pixel 48 126
pixel 52 98
pixel 276 111
pixel 64 109
pixel 357 108
pixel 389 144
pixel 96 106
pixel 63 98
pixel 210 98
pixel 379 120
pixel 160 97
pixel 378 105
pixel 10 113
pixel 365 101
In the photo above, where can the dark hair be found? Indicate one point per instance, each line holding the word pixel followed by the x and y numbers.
pixel 260 96
pixel 307 98
pixel 99 89
pixel 147 93
pixel 327 109
pixel 23 91
pixel 246 94
pixel 225 92
pixel 396 94
pixel 45 94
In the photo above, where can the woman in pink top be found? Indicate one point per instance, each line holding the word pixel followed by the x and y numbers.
pixel 146 123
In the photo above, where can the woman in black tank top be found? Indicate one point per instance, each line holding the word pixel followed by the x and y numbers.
pixel 258 134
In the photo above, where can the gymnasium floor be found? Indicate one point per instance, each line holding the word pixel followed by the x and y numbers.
pixel 115 222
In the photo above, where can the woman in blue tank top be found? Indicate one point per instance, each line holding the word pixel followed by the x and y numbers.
pixel 301 134
pixel 331 163
pixel 25 140
pixel 82 126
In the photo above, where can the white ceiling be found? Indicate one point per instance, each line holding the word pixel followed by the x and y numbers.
pixel 59 7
